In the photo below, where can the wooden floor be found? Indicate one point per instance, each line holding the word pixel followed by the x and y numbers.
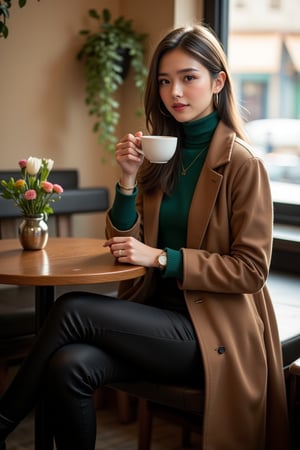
pixel 111 434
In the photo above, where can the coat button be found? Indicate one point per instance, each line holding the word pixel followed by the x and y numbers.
pixel 221 350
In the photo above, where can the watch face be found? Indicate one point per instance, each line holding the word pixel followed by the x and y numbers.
pixel 162 259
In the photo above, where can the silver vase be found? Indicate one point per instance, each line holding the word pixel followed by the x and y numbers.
pixel 33 232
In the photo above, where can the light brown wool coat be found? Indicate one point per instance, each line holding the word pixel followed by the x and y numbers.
pixel 226 265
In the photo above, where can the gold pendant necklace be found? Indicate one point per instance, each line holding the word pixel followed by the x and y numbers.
pixel 185 169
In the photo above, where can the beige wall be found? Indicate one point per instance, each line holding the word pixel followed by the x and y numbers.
pixel 42 110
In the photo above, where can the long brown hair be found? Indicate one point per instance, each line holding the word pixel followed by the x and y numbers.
pixel 202 44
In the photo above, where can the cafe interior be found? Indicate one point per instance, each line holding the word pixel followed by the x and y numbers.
pixel 43 114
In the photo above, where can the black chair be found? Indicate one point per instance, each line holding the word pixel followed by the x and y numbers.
pixel 17 307
pixel 183 405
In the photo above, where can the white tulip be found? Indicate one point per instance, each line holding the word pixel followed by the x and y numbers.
pixel 50 164
pixel 33 165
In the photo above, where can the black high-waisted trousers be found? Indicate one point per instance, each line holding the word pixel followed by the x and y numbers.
pixel 89 340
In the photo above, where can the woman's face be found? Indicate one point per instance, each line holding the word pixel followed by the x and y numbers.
pixel 186 87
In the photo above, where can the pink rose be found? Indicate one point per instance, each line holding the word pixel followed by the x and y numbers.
pixel 58 189
pixel 47 186
pixel 30 194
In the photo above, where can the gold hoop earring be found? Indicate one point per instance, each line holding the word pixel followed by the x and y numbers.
pixel 216 100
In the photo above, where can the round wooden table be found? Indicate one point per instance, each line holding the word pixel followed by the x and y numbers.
pixel 64 261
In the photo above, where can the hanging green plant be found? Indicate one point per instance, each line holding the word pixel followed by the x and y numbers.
pixel 108 54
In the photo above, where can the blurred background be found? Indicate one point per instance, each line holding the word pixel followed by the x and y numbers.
pixel 42 85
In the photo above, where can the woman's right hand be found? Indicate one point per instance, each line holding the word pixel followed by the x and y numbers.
pixel 129 157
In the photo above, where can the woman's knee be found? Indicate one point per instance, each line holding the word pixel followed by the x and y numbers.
pixel 69 310
pixel 69 370
pixel 61 367
pixel 68 301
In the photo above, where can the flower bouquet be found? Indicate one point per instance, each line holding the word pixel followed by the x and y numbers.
pixel 33 194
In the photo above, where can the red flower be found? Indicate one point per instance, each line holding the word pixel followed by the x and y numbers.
pixel 22 163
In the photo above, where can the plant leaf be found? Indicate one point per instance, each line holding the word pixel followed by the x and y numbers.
pixel 93 13
pixel 106 15
pixel 3 30
pixel 4 11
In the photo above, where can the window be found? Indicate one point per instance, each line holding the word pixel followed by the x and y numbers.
pixel 263 56
pixel 253 95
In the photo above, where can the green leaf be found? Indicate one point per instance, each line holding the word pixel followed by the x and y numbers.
pixel 4 11
pixel 106 16
pixel 3 30
pixel 93 13
pixel 22 3
pixel 84 32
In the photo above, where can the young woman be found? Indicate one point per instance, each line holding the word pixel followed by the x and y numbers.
pixel 202 225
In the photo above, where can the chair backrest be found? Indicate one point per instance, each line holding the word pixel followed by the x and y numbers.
pixel 68 178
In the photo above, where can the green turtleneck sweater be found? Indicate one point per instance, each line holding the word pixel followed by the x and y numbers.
pixel 174 209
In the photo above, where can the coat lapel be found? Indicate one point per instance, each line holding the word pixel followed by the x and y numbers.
pixel 208 185
pixel 202 206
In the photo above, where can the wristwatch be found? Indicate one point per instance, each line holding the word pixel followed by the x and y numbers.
pixel 162 261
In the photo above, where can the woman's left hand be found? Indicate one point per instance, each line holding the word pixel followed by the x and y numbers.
pixel 131 251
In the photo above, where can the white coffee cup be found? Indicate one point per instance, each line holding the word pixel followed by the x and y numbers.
pixel 158 149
